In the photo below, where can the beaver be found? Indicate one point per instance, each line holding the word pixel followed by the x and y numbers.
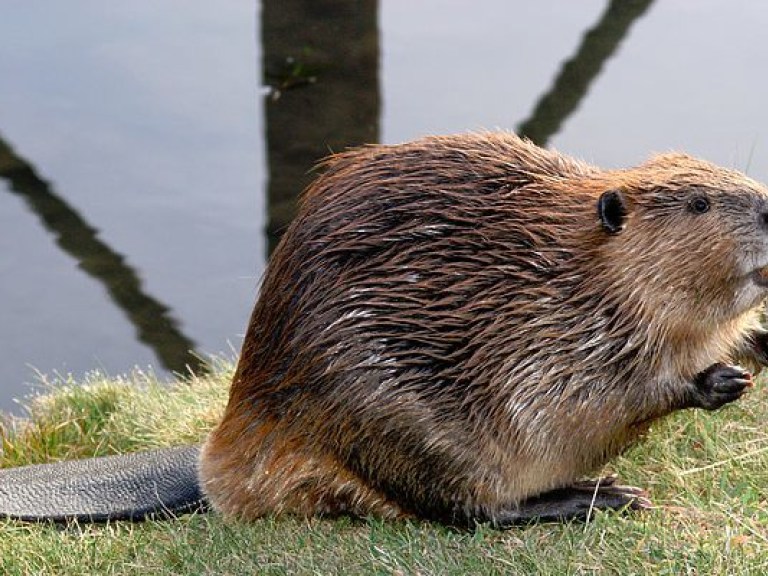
pixel 463 329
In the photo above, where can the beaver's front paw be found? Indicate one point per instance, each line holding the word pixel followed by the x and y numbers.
pixel 720 384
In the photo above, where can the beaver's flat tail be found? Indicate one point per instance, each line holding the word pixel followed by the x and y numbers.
pixel 153 484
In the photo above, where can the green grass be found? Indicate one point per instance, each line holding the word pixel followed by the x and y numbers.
pixel 707 473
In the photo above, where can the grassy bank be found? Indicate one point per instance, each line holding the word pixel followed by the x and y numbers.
pixel 708 474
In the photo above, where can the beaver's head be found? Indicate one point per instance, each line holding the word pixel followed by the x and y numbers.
pixel 687 236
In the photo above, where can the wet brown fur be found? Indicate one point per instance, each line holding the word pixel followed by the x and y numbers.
pixel 446 329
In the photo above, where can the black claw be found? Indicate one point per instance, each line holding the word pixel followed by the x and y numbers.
pixel 734 385
pixel 718 385
pixel 575 503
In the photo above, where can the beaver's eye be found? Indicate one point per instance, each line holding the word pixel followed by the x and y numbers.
pixel 698 205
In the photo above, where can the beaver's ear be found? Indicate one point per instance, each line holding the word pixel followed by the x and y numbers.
pixel 612 210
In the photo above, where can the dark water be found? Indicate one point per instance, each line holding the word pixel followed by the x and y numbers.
pixel 150 151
